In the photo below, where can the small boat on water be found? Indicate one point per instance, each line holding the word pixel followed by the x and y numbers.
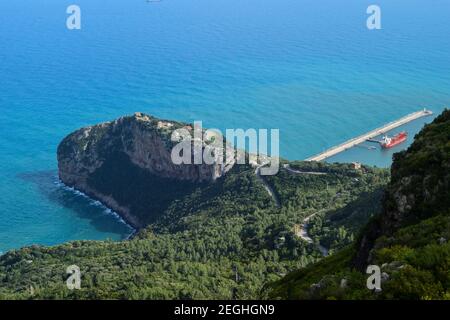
pixel 389 142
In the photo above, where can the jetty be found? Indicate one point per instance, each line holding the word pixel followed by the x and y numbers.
pixel 369 135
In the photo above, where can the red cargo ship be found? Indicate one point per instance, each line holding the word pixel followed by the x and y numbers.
pixel 388 142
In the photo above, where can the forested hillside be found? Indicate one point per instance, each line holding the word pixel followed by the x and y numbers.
pixel 409 241
pixel 224 240
pixel 232 239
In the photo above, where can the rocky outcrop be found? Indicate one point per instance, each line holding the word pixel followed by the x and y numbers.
pixel 113 159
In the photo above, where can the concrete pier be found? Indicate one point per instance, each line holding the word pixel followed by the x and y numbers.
pixel 370 135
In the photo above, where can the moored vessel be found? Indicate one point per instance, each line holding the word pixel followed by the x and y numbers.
pixel 389 142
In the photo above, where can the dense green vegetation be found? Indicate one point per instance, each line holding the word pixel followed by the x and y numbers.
pixel 343 198
pixel 409 240
pixel 229 239
pixel 416 259
pixel 220 240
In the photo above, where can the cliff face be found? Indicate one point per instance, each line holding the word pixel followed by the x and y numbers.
pixel 127 165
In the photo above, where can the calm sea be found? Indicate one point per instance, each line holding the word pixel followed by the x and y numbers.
pixel 308 67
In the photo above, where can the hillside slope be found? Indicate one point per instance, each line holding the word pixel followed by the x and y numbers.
pixel 409 240
pixel 222 239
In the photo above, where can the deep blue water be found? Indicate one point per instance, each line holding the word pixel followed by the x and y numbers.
pixel 308 67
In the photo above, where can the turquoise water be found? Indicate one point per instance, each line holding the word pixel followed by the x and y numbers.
pixel 371 153
pixel 310 68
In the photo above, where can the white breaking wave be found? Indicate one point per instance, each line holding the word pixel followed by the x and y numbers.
pixel 95 203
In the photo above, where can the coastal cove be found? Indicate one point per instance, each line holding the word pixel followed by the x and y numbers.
pixel 97 203
pixel 208 62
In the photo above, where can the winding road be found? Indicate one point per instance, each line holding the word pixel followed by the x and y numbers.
pixel 303 228
pixel 267 186
pixel 303 234
pixel 289 169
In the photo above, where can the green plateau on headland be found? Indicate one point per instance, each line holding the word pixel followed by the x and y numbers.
pixel 228 239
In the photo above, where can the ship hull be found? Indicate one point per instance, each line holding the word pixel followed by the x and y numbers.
pixel 398 139
pixel 393 144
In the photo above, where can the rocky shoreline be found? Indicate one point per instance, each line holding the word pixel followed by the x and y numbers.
pixel 110 211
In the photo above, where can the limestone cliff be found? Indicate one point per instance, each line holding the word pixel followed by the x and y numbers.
pixel 127 165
